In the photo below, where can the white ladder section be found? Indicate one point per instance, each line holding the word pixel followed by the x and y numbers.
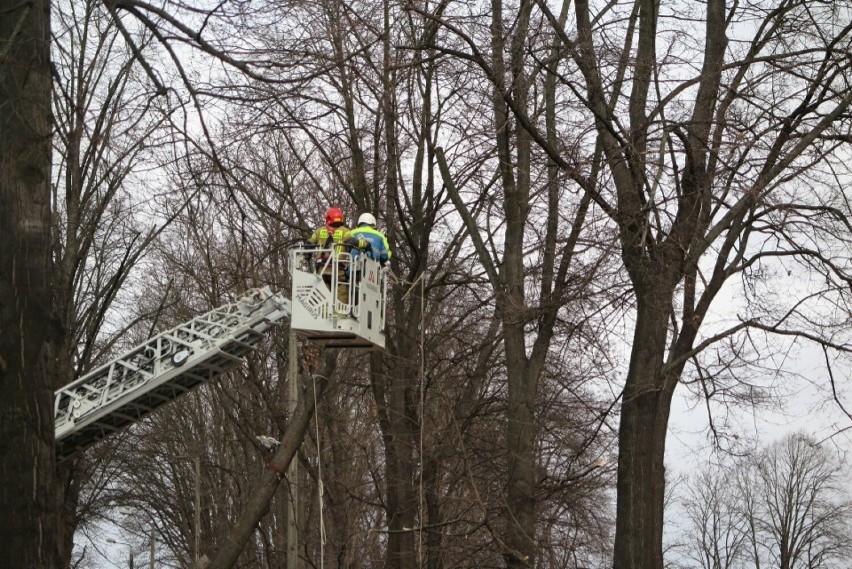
pixel 163 368
pixel 348 311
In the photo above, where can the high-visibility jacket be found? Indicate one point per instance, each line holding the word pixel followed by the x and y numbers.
pixel 325 237
pixel 379 249
pixel 336 237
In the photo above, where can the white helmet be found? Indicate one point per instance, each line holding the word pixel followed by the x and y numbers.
pixel 367 218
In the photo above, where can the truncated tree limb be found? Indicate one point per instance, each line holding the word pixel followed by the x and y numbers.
pixel 261 496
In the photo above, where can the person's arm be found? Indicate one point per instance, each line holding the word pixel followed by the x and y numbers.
pixel 386 254
pixel 314 238
pixel 355 241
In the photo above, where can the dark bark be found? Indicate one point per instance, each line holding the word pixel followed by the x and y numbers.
pixel 394 395
pixel 261 496
pixel 656 268
pixel 28 327
pixel 661 259
pixel 642 440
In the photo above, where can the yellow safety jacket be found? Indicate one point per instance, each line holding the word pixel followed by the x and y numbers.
pixel 326 237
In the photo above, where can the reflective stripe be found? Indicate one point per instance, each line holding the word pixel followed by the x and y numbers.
pixel 380 248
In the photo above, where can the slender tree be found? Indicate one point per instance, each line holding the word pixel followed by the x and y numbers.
pixel 801 514
pixel 533 271
pixel 105 121
pixel 717 526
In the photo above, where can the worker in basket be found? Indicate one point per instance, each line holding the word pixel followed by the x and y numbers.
pixel 372 243
pixel 378 248
pixel 336 236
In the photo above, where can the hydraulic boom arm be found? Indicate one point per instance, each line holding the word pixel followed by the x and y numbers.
pixel 163 368
pixel 348 311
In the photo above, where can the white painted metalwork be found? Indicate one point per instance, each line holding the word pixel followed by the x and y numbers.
pixel 163 368
pixel 318 312
pixel 172 363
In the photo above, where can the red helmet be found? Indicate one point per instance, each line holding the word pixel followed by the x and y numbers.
pixel 333 215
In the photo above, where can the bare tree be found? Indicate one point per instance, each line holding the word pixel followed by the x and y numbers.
pixel 105 124
pixel 801 512
pixel 722 147
pixel 37 337
pixel 369 172
pixel 717 527
pixel 530 248
pixel 720 208
pixel 785 506
pixel 378 182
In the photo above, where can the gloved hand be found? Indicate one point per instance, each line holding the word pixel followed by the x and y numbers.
pixel 353 242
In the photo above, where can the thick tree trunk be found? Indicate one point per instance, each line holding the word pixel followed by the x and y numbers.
pixel 521 499
pixel 642 440
pixel 392 395
pixel 28 329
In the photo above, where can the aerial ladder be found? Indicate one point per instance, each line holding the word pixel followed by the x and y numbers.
pixel 172 363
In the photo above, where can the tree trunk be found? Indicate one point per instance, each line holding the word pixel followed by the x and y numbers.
pixel 642 440
pixel 395 392
pixel 69 484
pixel 521 435
pixel 434 535
pixel 28 329
pixel 520 520
pixel 392 393
pixel 261 496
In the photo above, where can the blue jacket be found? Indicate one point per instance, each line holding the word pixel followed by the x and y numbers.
pixel 379 249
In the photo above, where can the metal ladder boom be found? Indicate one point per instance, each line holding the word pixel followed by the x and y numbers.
pixel 162 369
